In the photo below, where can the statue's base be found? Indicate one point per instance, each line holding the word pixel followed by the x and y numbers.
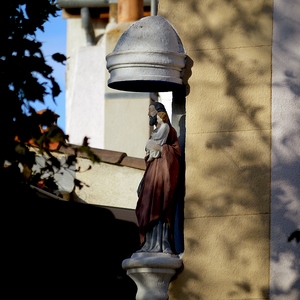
pixel 152 273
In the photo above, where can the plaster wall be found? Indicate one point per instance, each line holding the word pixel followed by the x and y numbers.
pixel 110 185
pixel 285 257
pixel 85 76
pixel 122 117
pixel 86 105
pixel 228 147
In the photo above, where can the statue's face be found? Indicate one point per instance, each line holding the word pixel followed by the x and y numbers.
pixel 152 113
pixel 159 120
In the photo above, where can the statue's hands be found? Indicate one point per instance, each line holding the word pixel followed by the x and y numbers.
pixel 152 145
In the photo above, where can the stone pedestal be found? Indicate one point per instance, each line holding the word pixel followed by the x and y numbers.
pixel 152 273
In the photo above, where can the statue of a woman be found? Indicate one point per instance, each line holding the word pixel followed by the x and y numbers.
pixel 155 208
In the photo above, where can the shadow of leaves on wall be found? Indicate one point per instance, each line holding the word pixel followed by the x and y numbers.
pixel 245 177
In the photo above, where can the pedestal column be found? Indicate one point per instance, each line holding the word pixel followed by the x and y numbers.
pixel 152 273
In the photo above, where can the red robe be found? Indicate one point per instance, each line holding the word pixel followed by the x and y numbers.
pixel 156 196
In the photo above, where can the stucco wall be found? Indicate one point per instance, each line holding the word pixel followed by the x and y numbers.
pixel 228 147
pixel 108 184
pixel 85 84
pixel 285 257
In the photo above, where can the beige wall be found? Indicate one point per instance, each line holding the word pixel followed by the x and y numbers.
pixel 227 147
pixel 127 124
pixel 108 184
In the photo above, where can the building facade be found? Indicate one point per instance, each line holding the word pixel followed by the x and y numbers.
pixel 242 121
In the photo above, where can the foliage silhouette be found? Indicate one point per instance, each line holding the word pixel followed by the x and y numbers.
pixel 26 78
pixel 61 58
pixel 295 235
pixel 51 247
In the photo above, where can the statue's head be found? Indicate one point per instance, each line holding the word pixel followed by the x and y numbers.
pixel 164 116
pixel 154 108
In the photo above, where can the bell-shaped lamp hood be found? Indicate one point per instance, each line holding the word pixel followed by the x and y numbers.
pixel 148 57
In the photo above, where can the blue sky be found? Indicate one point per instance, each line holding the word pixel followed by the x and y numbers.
pixel 54 40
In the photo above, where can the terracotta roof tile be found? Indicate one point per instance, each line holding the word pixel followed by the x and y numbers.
pixel 111 157
pixel 133 162
pixel 106 156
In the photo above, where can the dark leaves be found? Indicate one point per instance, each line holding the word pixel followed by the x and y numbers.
pixel 55 88
pixel 294 236
pixel 47 118
pixel 26 77
pixel 87 150
pixel 71 160
pixel 34 90
pixel 79 184
pixel 61 58
pixel 40 11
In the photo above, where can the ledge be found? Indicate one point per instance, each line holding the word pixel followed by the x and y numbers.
pixel 110 157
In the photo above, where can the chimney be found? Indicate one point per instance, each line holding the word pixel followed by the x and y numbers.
pixel 130 10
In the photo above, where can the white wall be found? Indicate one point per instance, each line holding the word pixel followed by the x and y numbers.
pixel 85 85
pixel 285 206
pixel 110 185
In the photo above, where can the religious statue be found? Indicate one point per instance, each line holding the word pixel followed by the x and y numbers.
pixel 159 135
pixel 155 208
